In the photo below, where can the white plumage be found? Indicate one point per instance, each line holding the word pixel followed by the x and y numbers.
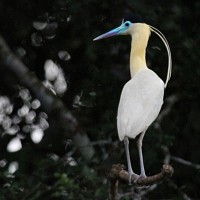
pixel 140 103
pixel 142 96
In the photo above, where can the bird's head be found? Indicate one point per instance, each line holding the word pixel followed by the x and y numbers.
pixel 142 31
pixel 126 28
pixel 121 30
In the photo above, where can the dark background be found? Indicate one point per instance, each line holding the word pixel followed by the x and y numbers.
pixel 74 164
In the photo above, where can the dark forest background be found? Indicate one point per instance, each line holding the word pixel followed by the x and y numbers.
pixel 59 93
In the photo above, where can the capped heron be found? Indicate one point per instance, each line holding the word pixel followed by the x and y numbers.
pixel 142 96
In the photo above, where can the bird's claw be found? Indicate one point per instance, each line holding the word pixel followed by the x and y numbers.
pixel 130 177
pixel 139 177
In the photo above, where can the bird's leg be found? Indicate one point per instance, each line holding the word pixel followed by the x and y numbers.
pixel 139 144
pixel 130 171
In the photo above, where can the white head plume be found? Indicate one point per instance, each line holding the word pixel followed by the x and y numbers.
pixel 162 37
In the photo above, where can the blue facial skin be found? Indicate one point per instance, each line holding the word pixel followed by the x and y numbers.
pixel 117 31
pixel 124 27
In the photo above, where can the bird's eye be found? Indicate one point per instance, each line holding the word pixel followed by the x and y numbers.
pixel 127 24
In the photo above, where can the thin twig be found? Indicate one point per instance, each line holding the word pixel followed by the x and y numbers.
pixel 169 157
pixel 184 195
pixel 140 194
pixel 185 162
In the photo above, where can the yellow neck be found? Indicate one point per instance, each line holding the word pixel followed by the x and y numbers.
pixel 140 36
pixel 137 61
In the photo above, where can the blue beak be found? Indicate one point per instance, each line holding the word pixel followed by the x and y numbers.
pixel 111 33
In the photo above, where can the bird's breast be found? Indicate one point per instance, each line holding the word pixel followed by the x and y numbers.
pixel 140 103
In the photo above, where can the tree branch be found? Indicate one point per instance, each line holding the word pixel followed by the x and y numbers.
pixel 169 157
pixel 118 174
pixel 185 162
pixel 51 104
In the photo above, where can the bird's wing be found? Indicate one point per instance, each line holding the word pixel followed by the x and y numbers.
pixel 140 103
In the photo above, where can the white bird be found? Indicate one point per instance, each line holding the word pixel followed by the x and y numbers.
pixel 142 96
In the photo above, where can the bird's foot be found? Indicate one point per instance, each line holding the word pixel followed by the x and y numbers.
pixel 131 173
pixel 139 177
pixel 136 181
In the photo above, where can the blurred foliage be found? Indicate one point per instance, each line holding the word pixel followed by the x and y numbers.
pixel 94 72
